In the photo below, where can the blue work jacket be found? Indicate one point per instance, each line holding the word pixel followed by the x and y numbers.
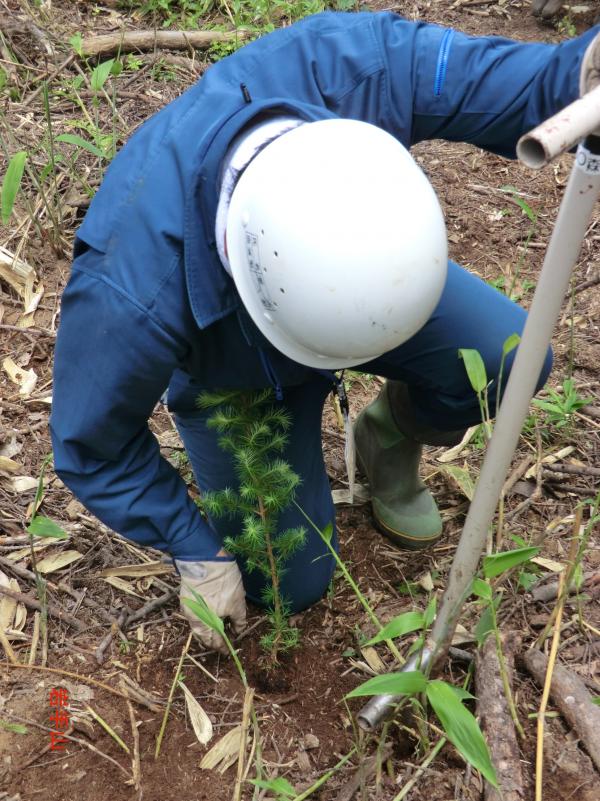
pixel 149 306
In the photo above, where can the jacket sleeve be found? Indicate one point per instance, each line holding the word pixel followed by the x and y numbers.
pixel 487 91
pixel 112 363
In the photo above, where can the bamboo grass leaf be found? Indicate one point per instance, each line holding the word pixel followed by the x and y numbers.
pixel 100 74
pixel 475 368
pixel 497 563
pixel 408 683
pixel 398 627
pixel 461 728
pixel 42 526
pixel 12 183
pixel 79 141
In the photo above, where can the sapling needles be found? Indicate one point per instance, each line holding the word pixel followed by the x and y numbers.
pixel 254 432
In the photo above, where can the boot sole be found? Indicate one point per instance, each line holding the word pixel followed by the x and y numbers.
pixel 402 540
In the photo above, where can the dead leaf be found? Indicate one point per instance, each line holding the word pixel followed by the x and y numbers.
pixel 452 453
pixel 143 569
pixel 20 617
pixel 15 271
pixel 10 447
pixel 32 300
pixel 224 752
pixel 548 564
pixel 310 741
pixel 21 553
pixel 200 721
pixel 552 458
pixel 58 561
pixel 9 466
pixel 342 496
pixel 358 664
pixel 26 379
pixel 461 636
pixel 21 484
pixel 124 586
pixel 426 582
pixel 8 606
pixel 373 659
pixel 461 477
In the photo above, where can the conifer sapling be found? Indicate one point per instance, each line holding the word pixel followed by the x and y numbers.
pixel 253 430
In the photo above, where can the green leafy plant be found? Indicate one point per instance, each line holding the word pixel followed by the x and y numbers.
pixel 253 431
pixel 458 723
pixel 477 374
pixel 460 726
pixel 561 406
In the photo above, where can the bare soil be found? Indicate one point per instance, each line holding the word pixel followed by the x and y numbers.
pixel 306 726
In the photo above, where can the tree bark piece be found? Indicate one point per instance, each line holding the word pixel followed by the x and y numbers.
pixel 496 722
pixel 127 41
pixel 571 696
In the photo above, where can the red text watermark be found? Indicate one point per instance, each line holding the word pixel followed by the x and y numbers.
pixel 59 716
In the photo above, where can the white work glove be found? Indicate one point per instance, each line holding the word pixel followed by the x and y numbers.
pixel 220 585
pixel 589 76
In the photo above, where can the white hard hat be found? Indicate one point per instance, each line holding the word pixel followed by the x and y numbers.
pixel 337 243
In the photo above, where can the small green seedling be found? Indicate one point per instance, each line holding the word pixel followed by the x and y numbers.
pixel 477 374
pixel 561 406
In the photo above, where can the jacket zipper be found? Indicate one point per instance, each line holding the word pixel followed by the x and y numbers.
pixel 442 62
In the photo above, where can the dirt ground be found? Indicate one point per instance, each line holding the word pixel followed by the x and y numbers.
pixel 306 726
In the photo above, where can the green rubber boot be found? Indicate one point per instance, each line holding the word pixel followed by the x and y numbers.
pixel 388 447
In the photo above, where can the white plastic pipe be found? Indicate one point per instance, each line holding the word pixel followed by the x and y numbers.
pixel 561 132
pixel 569 231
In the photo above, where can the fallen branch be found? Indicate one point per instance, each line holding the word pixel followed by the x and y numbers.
pixel 572 469
pixel 591 411
pixel 53 610
pixel 548 592
pixel 149 607
pixel 572 698
pixel 494 712
pixel 127 41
